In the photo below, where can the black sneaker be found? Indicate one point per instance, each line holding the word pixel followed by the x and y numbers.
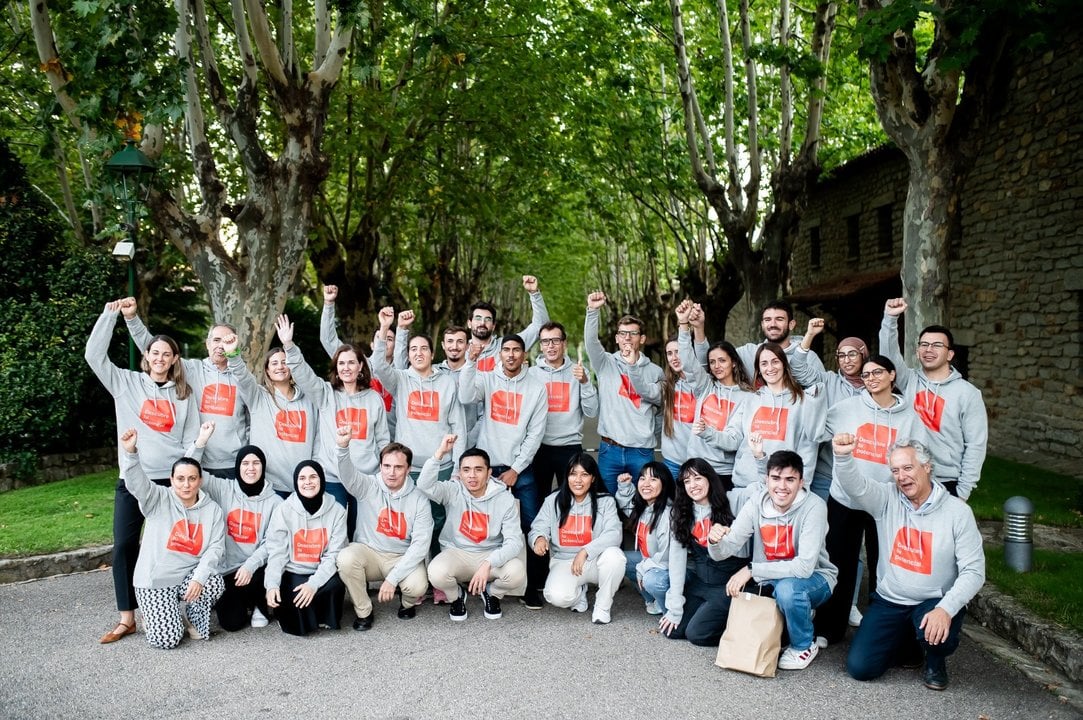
pixel 407 613
pixel 935 676
pixel 365 623
pixel 532 599
pixel 458 608
pixel 492 605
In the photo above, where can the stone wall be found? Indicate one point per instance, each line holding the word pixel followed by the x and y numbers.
pixel 63 466
pixel 1016 303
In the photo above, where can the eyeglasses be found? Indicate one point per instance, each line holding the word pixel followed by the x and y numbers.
pixel 546 342
pixel 485 319
pixel 878 372
pixel 628 333
pixel 852 355
pixel 923 345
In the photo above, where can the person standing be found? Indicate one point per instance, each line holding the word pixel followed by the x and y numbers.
pixel 776 322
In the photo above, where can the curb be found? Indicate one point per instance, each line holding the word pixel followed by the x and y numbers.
pixel 36 567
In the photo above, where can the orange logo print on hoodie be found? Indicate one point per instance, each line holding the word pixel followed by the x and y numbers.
pixel 423 405
pixel 218 399
pixel 700 531
pixel 378 387
pixel 357 419
pixel 474 526
pixel 576 531
pixel 185 537
pixel 487 364
pixel 777 542
pixel 716 411
pixel 642 531
pixel 291 425
pixel 559 393
pixel 913 550
pixel 243 526
pixel 628 390
pixel 506 407
pixel 770 423
pixel 308 544
pixel 873 441
pixel 158 414
pixel 684 407
pixel 391 523
pixel 930 408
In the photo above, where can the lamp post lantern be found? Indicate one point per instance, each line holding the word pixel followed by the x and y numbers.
pixel 133 171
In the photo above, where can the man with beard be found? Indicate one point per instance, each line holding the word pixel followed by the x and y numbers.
pixel 777 322
pixel 215 390
pixel 625 418
pixel 482 323
pixel 950 407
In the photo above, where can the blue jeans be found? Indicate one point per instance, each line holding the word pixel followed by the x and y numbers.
pixel 525 491
pixel 614 460
pixel 796 598
pixel 346 500
pixel 886 627
pixel 674 468
pixel 655 581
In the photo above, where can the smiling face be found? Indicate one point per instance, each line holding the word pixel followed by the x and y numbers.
pixel 454 345
pixel 697 487
pixel 277 370
pixel 348 367
pixel 673 356
pixel 783 485
pixel 512 356
pixel 185 482
pixel 161 359
pixel 419 351
pixel 308 482
pixel 215 351
pixel 474 475
pixel 553 346
pixel 776 325
pixel 877 379
pixel 771 369
pixel 393 470
pixel 934 352
pixel 251 469
pixel 579 482
pixel 649 486
pixel 721 366
pixel 849 359
pixel 913 479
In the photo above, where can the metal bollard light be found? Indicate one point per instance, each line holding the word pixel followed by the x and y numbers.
pixel 1019 533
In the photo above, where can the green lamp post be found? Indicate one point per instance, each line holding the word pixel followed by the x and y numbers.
pixel 132 171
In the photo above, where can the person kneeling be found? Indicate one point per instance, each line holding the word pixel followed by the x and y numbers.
pixel 931 562
pixel 578 524
pixel 394 529
pixel 304 538
pixel 182 544
pixel 788 527
pixel 481 539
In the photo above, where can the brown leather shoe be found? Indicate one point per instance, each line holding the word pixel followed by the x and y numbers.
pixel 117 633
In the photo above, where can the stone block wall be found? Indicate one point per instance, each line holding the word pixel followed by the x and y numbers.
pixel 63 466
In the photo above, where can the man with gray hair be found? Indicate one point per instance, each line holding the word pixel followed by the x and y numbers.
pixel 931 562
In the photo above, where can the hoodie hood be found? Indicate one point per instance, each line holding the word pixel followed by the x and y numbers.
pixel 312 505
pixel 256 488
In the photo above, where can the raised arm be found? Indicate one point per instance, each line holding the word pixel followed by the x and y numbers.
pixel 97 348
pixel 595 352
pixel 378 361
pixel 428 481
pixel 539 314
pixel 135 479
pixel 328 333
pixel 889 340
pixel 358 484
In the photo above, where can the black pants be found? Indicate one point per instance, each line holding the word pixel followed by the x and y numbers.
pixel 325 608
pixel 846 529
pixel 550 464
pixel 235 606
pixel 127 525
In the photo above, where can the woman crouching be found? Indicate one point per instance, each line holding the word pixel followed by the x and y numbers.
pixel 183 541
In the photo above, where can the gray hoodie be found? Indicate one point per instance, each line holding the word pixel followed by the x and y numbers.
pixel 246 521
pixel 217 398
pixel 515 411
pixel 167 427
pixel 397 522
pixel 623 414
pixel 747 353
pixel 486 524
pixel 539 315
pixel 569 402
pixel 952 410
pixel 934 551
pixel 786 544
pixel 176 539
pixel 577 532
pixel 304 544
pixel 652 545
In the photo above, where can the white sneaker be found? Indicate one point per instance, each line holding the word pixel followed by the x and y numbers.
pixel 581 603
pixel 797 659
pixel 600 617
pixel 653 609
pixel 821 642
pixel 855 616
pixel 258 619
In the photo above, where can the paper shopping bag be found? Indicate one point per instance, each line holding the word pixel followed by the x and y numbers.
pixel 753 636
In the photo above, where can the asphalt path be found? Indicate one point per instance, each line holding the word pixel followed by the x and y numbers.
pixel 529 664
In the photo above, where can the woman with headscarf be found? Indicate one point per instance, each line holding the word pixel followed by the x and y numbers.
pixel 305 535
pixel 247 503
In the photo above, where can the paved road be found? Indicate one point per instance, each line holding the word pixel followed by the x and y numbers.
pixel 543 664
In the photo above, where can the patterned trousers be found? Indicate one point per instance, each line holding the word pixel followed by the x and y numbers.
pixel 162 621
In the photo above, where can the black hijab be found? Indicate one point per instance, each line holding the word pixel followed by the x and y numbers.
pixel 311 505
pixel 251 489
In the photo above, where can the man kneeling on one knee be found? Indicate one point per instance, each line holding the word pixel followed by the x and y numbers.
pixel 931 562
pixel 482 538
pixel 788 527
pixel 394 529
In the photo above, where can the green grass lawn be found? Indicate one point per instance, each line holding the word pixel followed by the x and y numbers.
pixel 1058 499
pixel 1053 589
pixel 58 516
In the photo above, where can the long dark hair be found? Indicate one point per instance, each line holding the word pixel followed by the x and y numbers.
pixel 670 378
pixel 682 517
pixel 739 374
pixel 364 378
pixel 597 487
pixel 796 392
pixel 639 505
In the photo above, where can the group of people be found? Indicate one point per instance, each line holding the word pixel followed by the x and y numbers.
pixel 276 498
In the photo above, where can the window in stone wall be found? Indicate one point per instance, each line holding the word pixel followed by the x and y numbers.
pixel 814 247
pixel 853 237
pixel 885 230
